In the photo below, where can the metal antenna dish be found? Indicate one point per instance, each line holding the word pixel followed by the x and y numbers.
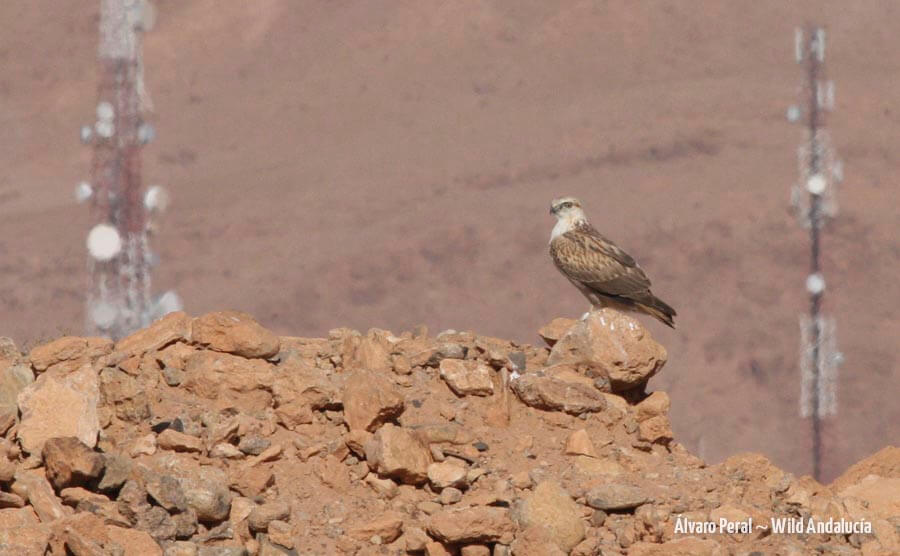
pixel 105 111
pixel 104 128
pixel 104 242
pixel 104 315
pixel 83 192
pixel 86 133
pixel 146 133
pixel 156 198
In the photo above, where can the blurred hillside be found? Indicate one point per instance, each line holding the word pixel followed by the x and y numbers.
pixel 391 163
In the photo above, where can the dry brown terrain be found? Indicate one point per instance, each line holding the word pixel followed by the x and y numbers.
pixel 213 436
pixel 391 163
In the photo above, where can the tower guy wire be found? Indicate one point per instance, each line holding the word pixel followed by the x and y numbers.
pixel 814 201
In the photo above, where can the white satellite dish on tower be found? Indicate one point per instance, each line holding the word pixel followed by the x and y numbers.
pixel 146 133
pixel 104 128
pixel 83 192
pixel 87 133
pixel 815 283
pixel 105 111
pixel 104 242
pixel 816 184
pixel 168 302
pixel 156 198
pixel 104 315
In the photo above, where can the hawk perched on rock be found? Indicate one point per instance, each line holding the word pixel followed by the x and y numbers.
pixel 605 274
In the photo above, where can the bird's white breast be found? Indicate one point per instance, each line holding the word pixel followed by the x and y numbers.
pixel 562 226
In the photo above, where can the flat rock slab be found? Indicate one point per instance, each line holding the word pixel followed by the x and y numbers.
pixel 234 332
pixel 616 497
pixel 549 393
pixel 58 405
pixel 471 525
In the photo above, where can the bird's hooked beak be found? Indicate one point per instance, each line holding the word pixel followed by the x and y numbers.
pixel 552 211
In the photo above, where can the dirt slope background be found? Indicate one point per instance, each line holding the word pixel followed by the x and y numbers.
pixel 391 163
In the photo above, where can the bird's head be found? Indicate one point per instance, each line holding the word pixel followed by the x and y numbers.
pixel 567 209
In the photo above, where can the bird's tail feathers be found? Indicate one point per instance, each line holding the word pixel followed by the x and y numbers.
pixel 658 308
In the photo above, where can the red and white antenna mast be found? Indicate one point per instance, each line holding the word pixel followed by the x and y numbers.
pixel 118 300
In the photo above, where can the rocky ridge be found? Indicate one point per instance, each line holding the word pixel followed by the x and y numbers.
pixel 213 436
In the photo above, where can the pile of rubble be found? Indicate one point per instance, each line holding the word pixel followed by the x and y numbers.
pixel 213 436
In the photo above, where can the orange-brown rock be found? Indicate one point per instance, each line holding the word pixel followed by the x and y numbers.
pixel 124 394
pixel 614 342
pixel 685 546
pixel 59 404
pixel 370 400
pixel 67 348
pixel 135 543
pixel 35 488
pixel 884 463
pixel 387 527
pixel 536 541
pixel 616 497
pixel 70 462
pixel 655 405
pixel 384 487
pixel 234 332
pixel 169 329
pixel 471 525
pixel 656 429
pixel 371 352
pixel 556 329
pixel 446 474
pixel 880 496
pixel 83 534
pixel 545 392
pixel 579 444
pixel 434 548
pixel 551 508
pixel 175 355
pixel 21 532
pixel 15 375
pixel 170 439
pixel 223 377
pixel 467 377
pixel 396 453
pixel 260 516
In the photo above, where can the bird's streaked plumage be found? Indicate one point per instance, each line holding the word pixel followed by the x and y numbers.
pixel 603 272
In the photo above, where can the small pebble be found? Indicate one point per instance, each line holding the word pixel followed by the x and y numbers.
pixel 450 495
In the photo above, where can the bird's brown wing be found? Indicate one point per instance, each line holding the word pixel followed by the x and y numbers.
pixel 587 257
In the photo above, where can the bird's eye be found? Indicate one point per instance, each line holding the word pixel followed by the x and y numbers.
pixel 567 205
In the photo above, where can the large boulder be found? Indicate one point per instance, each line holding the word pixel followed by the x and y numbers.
pixel 167 330
pixel 15 375
pixel 397 453
pixel 554 394
pixel 224 377
pixel 616 344
pixel 370 400
pixel 67 348
pixel 60 404
pixel 551 508
pixel 467 377
pixel 234 332
pixel 471 525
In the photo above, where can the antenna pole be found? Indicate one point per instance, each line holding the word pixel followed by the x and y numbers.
pixel 118 300
pixel 820 172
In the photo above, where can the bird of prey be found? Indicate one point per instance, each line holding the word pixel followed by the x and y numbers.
pixel 604 273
